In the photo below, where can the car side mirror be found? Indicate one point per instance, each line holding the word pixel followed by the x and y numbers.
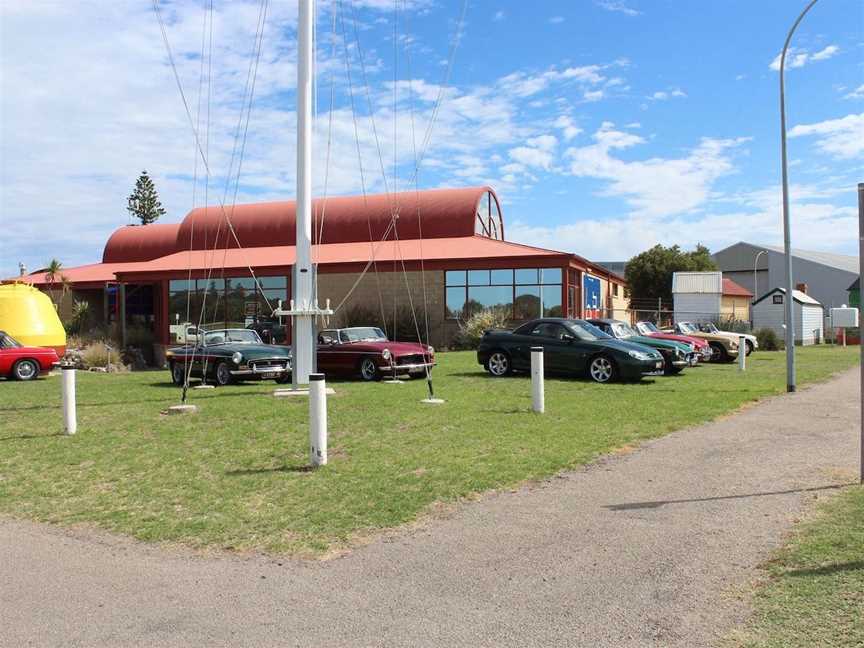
pixel 569 339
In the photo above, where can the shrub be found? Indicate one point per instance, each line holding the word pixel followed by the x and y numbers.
pixel 97 354
pixel 734 325
pixel 473 328
pixel 77 322
pixel 769 340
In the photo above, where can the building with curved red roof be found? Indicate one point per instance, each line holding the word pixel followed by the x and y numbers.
pixel 444 247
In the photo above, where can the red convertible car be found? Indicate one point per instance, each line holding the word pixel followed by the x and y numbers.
pixel 366 351
pixel 24 363
pixel 699 345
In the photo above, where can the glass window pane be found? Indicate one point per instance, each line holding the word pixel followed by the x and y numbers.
pixel 455 278
pixel 550 299
pixel 489 297
pixel 527 303
pixel 526 276
pixel 272 282
pixel 181 284
pixel 502 277
pixel 234 283
pixel 550 275
pixel 212 286
pixel 455 302
pixel 478 277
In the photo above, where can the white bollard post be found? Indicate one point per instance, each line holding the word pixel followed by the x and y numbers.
pixel 742 353
pixel 538 393
pixel 70 419
pixel 317 420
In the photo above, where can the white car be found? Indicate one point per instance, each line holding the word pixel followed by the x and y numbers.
pixel 710 327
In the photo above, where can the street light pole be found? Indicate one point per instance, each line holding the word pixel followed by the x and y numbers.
pixel 861 305
pixel 787 246
pixel 755 279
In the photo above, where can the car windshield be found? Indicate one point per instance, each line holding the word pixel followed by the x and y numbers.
pixel 623 330
pixel 7 342
pixel 647 327
pixel 587 332
pixel 708 327
pixel 687 327
pixel 362 334
pixel 231 336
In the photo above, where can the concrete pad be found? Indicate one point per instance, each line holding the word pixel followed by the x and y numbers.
pixel 183 409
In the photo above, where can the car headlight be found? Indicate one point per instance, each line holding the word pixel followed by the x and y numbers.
pixel 733 345
pixel 640 355
pixel 431 350
pixel 386 354
pixel 237 357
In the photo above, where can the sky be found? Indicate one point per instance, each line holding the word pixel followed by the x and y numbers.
pixel 605 126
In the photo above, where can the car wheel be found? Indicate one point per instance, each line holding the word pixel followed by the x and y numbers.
pixel 674 371
pixel 178 373
pixel 284 379
pixel 25 370
pixel 223 374
pixel 368 369
pixel 749 347
pixel 718 352
pixel 602 369
pixel 498 364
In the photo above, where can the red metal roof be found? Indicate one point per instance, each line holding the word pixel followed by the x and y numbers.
pixel 437 213
pixel 86 276
pixel 732 289
pixel 430 251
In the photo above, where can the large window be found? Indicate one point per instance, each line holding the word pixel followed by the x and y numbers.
pixel 234 302
pixel 524 293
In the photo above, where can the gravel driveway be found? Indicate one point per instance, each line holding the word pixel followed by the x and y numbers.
pixel 648 548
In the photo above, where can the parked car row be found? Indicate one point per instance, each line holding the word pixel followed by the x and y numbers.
pixel 223 356
pixel 604 349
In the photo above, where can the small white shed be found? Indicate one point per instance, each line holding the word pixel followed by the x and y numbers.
pixel 697 295
pixel 769 312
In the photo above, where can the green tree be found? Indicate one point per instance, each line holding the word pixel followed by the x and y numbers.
pixel 144 201
pixel 52 275
pixel 649 274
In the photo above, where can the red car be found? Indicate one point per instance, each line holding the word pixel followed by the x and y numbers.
pixel 366 351
pixel 699 345
pixel 24 363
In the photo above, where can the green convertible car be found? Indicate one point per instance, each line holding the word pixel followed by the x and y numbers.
pixel 228 355
pixel 676 355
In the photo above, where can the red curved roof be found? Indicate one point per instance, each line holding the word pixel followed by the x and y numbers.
pixel 141 243
pixel 442 213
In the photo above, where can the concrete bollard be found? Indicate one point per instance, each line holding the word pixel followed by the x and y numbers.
pixel 70 416
pixel 317 420
pixel 538 392
pixel 742 353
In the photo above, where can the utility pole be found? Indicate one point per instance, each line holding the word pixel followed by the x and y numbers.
pixel 860 306
pixel 787 245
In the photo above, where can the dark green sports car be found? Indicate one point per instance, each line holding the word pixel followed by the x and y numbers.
pixel 676 355
pixel 569 346
pixel 228 355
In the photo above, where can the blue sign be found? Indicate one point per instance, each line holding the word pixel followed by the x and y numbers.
pixel 591 291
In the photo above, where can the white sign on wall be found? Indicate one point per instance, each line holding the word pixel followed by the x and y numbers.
pixel 844 317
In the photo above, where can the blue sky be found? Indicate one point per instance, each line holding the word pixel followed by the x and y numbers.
pixel 606 126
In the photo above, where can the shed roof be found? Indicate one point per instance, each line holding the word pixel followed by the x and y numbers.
pixel 797 295
pixel 732 289
pixel 697 282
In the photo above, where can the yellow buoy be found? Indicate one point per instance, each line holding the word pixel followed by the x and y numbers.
pixel 28 315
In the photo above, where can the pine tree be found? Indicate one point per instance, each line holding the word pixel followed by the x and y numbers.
pixel 144 201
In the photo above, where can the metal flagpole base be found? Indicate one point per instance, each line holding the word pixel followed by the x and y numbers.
pixel 183 409
pixel 433 401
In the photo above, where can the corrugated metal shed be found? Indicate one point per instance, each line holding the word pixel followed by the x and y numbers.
pixel 697 282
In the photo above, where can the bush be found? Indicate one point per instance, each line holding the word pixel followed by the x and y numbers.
pixel 77 322
pixel 769 340
pixel 472 330
pixel 97 354
pixel 734 325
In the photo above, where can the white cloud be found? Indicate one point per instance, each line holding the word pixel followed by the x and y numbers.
pixel 857 93
pixel 656 186
pixel 796 58
pixel 556 20
pixel 499 16
pixel 568 128
pixel 663 95
pixel 617 6
pixel 593 95
pixel 842 138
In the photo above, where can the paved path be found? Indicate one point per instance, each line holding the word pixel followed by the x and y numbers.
pixel 644 549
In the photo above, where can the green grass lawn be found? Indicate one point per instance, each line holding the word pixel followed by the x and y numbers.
pixel 233 476
pixel 815 592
